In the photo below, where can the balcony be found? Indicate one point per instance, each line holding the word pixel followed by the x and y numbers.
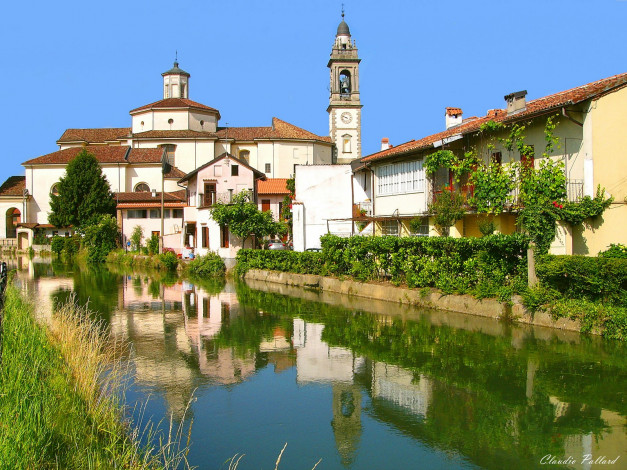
pixel 205 201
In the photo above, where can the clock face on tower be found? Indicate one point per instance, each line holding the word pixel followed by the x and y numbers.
pixel 346 117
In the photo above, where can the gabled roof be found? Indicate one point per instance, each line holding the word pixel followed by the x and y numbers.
pixel 279 130
pixel 175 103
pixel 104 154
pixel 13 186
pixel 93 136
pixel 533 108
pixel 189 175
pixel 273 186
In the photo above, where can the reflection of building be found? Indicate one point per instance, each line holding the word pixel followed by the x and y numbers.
pixel 318 362
pixel 608 444
pixel 400 387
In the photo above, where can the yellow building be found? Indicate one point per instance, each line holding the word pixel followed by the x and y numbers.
pixel 591 144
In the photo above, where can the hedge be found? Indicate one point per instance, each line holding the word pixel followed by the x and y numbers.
pixel 483 265
pixel 597 279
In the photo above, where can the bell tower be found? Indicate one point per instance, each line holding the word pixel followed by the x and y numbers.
pixel 344 104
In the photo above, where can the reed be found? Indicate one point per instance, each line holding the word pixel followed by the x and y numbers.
pixel 61 397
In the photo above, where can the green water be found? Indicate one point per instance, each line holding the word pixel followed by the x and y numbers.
pixel 357 383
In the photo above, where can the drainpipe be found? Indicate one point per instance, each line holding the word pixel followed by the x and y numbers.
pixel 183 232
pixel 565 114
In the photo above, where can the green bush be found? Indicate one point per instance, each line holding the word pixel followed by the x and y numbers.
pixel 597 279
pixel 207 266
pixel 153 244
pixel 615 251
pixel 136 238
pixel 101 238
pixel 57 244
pixel 275 260
pixel 71 245
pixel 169 260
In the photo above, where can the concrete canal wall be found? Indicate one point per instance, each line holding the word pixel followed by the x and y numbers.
pixel 429 298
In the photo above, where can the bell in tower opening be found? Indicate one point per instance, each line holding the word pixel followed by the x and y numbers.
pixel 345 82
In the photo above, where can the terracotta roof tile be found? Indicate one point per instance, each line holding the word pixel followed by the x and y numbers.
pixel 273 186
pixel 453 111
pixel 147 197
pixel 13 186
pixel 279 130
pixel 174 103
pixel 104 154
pixel 102 135
pixel 534 107
pixel 174 134
pixel 175 173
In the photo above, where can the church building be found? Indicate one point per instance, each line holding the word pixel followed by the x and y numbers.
pixel 187 135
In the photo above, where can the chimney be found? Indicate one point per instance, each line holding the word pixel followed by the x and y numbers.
pixel 453 117
pixel 516 102
pixel 385 143
pixel 154 193
pixel 494 113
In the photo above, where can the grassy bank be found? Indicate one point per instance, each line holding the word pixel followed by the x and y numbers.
pixel 165 261
pixel 60 404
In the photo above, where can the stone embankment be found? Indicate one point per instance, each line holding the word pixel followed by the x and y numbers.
pixel 428 298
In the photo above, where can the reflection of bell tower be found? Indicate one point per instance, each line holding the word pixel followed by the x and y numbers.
pixel 344 104
pixel 346 421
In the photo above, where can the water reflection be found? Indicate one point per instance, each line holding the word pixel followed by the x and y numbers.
pixel 375 385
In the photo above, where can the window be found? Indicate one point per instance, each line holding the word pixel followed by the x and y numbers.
pixel 137 214
pixel 400 178
pixel 155 233
pixel 177 213
pixel 224 236
pixel 155 213
pixel 497 158
pixel 527 158
pixel 142 188
pixel 210 194
pixel 265 205
pixel 389 227
pixel 205 236
pixel 170 149
pixel 268 168
pixel 346 143
pixel 244 155
pixel 54 191
pixel 421 230
pixel 234 170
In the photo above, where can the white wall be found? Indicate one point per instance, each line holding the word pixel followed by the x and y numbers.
pixel 325 193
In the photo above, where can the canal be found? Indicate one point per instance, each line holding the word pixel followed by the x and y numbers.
pixel 357 383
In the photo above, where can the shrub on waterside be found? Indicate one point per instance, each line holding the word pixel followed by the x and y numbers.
pixel 169 260
pixel 209 265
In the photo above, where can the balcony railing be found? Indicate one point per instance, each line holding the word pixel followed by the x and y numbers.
pixel 209 199
pixel 574 190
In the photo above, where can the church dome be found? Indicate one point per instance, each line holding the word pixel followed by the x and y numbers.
pixel 342 29
pixel 175 70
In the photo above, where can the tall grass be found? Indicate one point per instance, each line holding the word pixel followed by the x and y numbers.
pixel 60 397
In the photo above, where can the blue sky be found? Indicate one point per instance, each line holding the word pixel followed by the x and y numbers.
pixel 86 64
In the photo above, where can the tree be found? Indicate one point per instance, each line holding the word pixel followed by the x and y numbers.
pixel 84 194
pixel 100 238
pixel 136 238
pixel 244 218
pixel 447 209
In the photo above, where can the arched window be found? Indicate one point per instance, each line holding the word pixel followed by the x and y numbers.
pixel 244 155
pixel 54 190
pixel 346 143
pixel 345 82
pixel 142 188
